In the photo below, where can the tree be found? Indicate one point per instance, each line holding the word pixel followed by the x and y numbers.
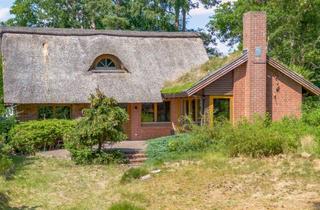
pixel 97 14
pixel 293 30
pixel 101 123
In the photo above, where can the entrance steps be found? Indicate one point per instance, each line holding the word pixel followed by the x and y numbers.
pixel 135 157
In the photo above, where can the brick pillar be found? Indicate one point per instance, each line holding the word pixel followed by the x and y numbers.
pixel 135 122
pixel 255 42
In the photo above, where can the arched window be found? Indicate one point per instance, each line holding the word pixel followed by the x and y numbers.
pixel 107 63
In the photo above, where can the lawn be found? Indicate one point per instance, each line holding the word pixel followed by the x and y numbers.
pixel 210 182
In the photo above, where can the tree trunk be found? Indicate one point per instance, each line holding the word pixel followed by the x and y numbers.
pixel 184 21
pixel 177 18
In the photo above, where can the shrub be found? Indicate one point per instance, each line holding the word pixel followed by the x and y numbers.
pixel 101 123
pixel 6 123
pixel 254 140
pixel 311 111
pixel 133 173
pixel 6 165
pixel 32 136
pixel 86 156
pixel 124 205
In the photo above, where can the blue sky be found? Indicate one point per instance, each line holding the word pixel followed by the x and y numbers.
pixel 198 18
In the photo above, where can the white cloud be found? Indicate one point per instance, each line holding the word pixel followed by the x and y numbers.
pixel 4 14
pixel 200 11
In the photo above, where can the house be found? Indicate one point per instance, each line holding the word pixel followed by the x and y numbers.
pixel 51 73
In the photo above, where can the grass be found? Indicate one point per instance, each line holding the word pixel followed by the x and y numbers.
pixel 187 80
pixel 213 181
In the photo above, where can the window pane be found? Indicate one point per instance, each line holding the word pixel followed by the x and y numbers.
pixel 221 109
pixel 193 110
pixel 45 112
pixel 186 107
pixel 163 114
pixel 147 113
pixel 110 63
pixel 102 63
pixel 105 64
pixel 63 112
pixel 198 111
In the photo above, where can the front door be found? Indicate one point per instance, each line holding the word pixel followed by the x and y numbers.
pixel 221 108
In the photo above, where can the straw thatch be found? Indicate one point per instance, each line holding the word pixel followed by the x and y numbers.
pixel 52 65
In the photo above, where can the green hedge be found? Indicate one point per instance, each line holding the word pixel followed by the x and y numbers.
pixel 32 136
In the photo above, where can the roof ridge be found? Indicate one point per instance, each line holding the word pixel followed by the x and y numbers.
pixel 92 32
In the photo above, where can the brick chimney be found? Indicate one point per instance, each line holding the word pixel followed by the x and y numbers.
pixel 255 42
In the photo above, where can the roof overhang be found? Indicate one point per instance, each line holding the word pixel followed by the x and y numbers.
pixel 294 76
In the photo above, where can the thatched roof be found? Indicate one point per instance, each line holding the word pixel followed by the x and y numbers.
pixel 52 65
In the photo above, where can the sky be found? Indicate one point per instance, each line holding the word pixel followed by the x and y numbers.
pixel 198 18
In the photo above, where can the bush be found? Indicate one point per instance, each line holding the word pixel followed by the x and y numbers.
pixel 32 136
pixel 101 123
pixel 86 156
pixel 6 165
pixel 6 123
pixel 133 173
pixel 124 205
pixel 256 140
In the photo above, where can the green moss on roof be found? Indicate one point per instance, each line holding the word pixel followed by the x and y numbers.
pixel 187 80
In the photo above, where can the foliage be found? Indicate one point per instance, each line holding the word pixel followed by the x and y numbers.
pixel 295 43
pixel 87 156
pixel 157 15
pixel 6 123
pixel 258 138
pixel 100 14
pixel 311 113
pixel 6 165
pixel 32 136
pixel 187 80
pixel 133 173
pixel 101 123
pixel 124 205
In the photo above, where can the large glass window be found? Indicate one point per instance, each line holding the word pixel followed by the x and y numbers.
pixel 163 112
pixel 221 109
pixel 159 112
pixel 192 108
pixel 58 112
pixel 62 112
pixel 45 112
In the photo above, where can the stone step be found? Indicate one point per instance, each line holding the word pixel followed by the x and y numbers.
pixel 137 155
pixel 137 160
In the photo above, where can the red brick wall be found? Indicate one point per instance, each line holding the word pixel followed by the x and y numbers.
pixel 239 94
pixel 284 96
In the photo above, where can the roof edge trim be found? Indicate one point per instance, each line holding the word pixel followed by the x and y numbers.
pixel 294 76
pixel 91 32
